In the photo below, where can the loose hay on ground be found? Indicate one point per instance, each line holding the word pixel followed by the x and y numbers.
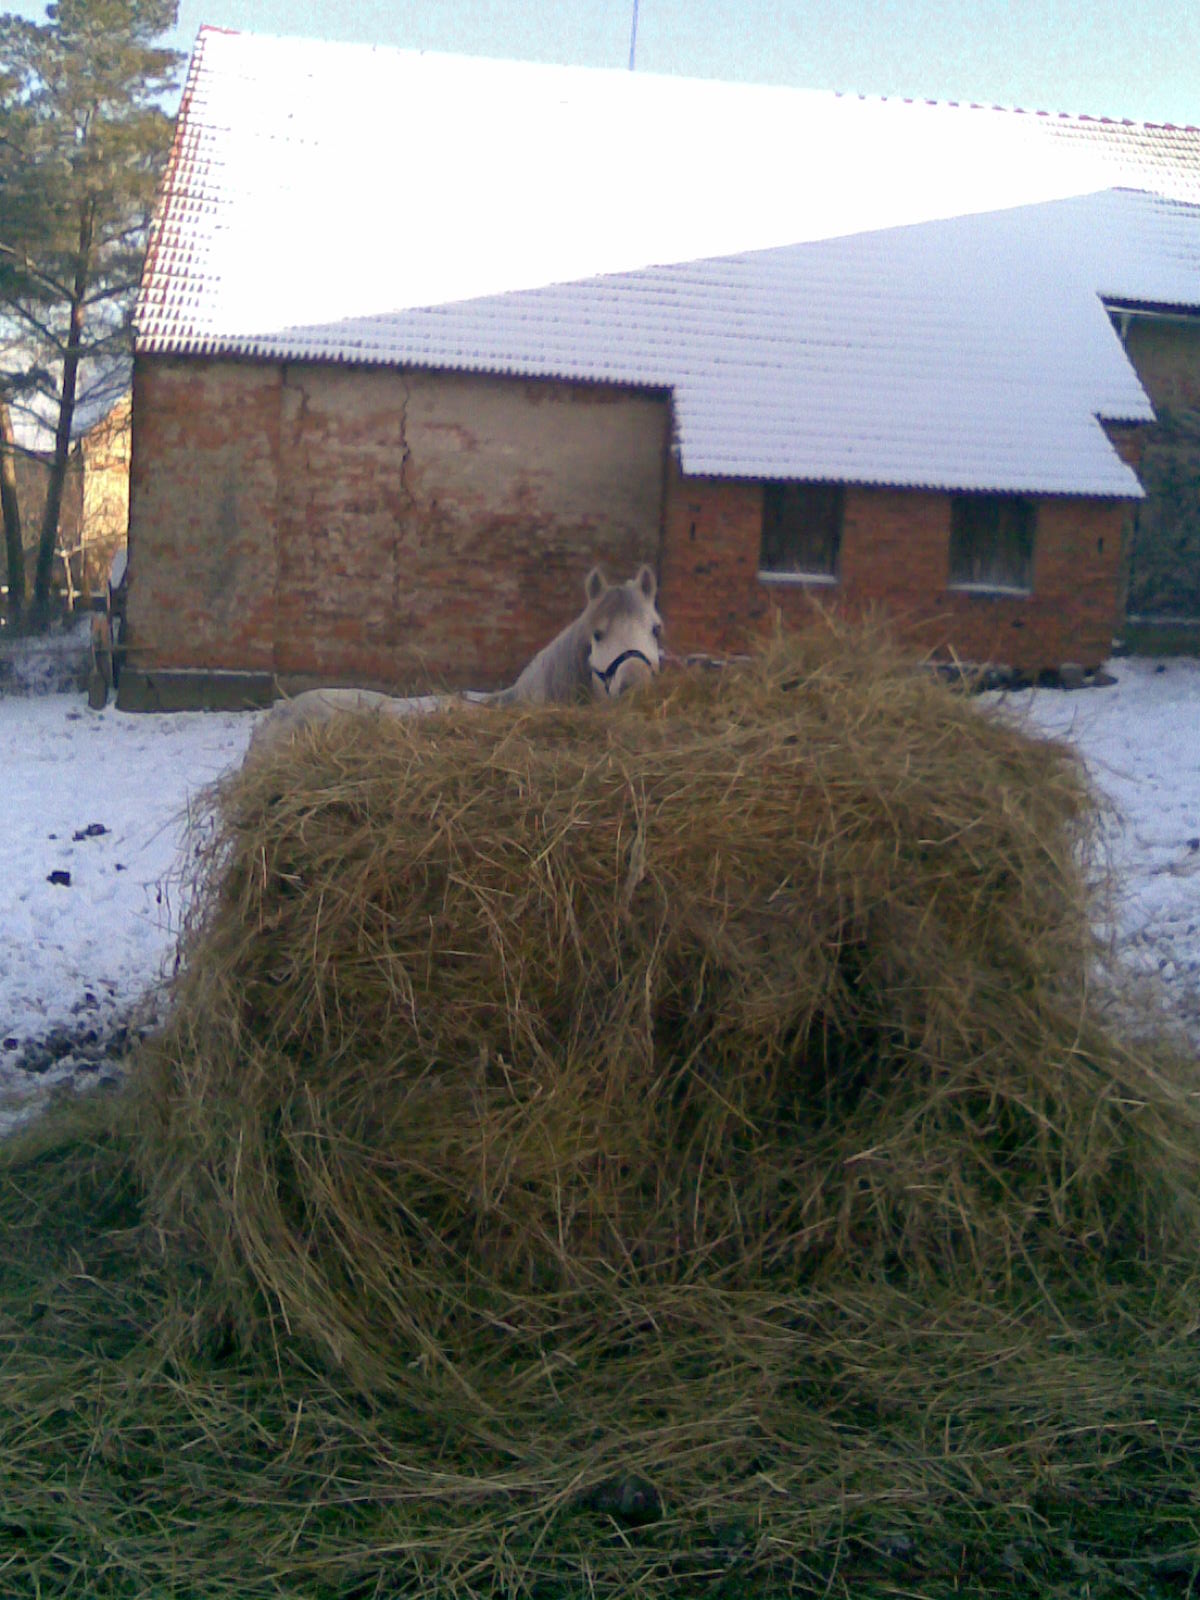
pixel 861 1442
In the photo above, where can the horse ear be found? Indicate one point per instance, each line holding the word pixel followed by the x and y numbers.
pixel 647 582
pixel 594 585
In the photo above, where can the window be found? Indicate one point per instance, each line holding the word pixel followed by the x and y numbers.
pixel 801 532
pixel 991 542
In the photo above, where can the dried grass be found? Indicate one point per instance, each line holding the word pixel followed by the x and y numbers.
pixel 663 1152
pixel 495 1025
pixel 845 1441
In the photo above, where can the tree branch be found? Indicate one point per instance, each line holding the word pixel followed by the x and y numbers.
pixel 25 265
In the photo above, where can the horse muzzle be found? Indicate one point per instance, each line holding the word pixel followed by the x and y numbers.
pixel 626 671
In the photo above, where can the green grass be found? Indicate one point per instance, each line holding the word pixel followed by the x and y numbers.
pixel 844 1439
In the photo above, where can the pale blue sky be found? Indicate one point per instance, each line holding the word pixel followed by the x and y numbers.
pixel 1121 58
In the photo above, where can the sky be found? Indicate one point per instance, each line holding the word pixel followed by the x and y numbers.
pixel 1117 58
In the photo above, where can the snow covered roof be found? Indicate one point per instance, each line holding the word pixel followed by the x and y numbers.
pixel 1159 158
pixel 876 291
pixel 770 381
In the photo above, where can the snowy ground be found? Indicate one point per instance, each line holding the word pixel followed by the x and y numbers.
pixel 1141 742
pixel 92 810
pixel 93 806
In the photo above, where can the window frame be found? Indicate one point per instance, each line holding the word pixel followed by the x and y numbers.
pixel 1002 509
pixel 776 494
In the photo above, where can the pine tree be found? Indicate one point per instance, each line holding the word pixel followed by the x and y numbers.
pixel 83 139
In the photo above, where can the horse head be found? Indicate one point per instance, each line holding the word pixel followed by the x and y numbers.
pixel 622 632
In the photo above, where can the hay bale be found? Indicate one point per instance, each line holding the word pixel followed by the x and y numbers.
pixel 521 1022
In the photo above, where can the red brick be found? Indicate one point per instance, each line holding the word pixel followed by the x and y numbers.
pixel 419 530
pixel 410 529
pixel 895 562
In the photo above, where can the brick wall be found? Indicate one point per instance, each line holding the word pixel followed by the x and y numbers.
pixel 894 559
pixel 418 530
pixel 203 497
pixel 412 530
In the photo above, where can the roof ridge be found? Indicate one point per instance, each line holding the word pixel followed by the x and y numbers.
pixel 962 103
pixel 1092 119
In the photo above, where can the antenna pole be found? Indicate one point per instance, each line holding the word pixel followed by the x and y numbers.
pixel 633 37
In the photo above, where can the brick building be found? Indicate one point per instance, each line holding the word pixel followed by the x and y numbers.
pixel 1163 343
pixel 94 514
pixel 392 462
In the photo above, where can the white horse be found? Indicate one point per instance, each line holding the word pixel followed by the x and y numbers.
pixel 611 647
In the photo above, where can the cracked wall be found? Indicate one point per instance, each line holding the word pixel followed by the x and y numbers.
pixel 412 530
pixel 415 531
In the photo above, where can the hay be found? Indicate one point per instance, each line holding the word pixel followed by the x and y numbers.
pixel 666 1151
pixel 847 1442
pixel 519 1036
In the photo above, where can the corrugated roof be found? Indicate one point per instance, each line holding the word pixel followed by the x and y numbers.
pixel 319 193
pixel 1158 158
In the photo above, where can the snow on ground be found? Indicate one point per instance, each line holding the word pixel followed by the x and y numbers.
pixel 92 811
pixel 1141 742
pixel 94 800
pixel 98 801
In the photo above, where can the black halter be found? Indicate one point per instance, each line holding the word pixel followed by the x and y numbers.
pixel 608 673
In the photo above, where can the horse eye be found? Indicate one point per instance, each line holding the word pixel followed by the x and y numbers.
pixel 657 630
pixel 597 635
